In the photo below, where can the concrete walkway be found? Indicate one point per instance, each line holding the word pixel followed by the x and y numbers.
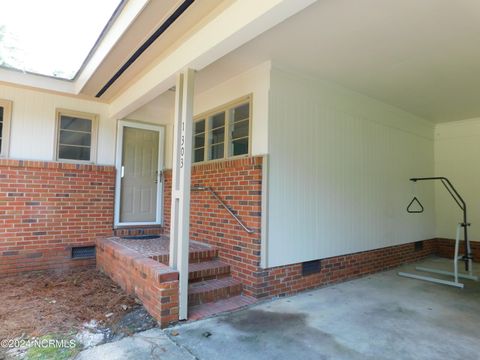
pixel 382 316
pixel 150 344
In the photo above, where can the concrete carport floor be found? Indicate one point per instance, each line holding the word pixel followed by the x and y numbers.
pixel 382 316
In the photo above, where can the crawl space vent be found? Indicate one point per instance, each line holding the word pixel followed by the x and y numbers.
pixel 418 245
pixel 83 252
pixel 311 267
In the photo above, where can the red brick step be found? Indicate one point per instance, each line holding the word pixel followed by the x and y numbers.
pixel 214 269
pixel 212 290
pixel 195 256
pixel 209 309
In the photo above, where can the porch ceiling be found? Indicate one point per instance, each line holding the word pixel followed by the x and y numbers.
pixel 421 56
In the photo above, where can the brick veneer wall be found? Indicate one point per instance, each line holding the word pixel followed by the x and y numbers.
pixel 239 183
pixel 154 283
pixel 48 207
pixel 446 248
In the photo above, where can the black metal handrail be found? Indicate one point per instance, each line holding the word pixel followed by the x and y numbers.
pixel 215 195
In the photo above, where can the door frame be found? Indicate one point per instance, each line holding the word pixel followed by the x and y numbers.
pixel 118 166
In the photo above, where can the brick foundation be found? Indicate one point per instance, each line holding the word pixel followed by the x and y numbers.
pixel 239 183
pixel 289 280
pixel 446 248
pixel 46 208
pixel 155 284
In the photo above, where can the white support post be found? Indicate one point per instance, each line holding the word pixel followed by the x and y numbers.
pixel 181 176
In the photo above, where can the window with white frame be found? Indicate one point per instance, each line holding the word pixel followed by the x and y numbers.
pixel 223 132
pixel 76 136
pixel 5 116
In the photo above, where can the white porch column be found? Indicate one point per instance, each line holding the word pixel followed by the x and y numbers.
pixel 182 164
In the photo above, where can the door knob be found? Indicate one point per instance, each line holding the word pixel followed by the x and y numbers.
pixel 158 176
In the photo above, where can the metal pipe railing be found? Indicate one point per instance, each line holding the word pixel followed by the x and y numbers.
pixel 237 219
pixel 462 205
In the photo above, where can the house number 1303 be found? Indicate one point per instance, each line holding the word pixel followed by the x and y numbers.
pixel 182 145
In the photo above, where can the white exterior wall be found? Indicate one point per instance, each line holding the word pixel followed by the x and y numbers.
pixel 457 154
pixel 33 116
pixel 255 81
pixel 160 112
pixel 32 135
pixel 339 164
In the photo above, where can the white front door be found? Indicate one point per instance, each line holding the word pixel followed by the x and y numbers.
pixel 139 174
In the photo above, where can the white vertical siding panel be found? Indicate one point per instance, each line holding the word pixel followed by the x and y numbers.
pixel 457 154
pixel 33 123
pixel 338 180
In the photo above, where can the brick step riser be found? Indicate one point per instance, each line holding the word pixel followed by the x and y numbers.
pixel 214 295
pixel 194 257
pixel 208 271
pixel 195 279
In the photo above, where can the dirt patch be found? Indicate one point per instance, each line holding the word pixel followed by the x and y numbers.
pixel 37 304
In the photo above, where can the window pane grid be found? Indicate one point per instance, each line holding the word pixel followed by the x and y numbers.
pixel 240 120
pixel 217 137
pixel 199 141
pixel 1 124
pixel 75 123
pixel 240 129
pixel 200 126
pixel 240 138
pixel 239 147
pixel 216 152
pixel 198 155
pixel 218 127
pixel 82 146
pixel 217 120
pixel 199 136
pixel 75 138
pixel 4 125
pixel 223 134
pixel 76 131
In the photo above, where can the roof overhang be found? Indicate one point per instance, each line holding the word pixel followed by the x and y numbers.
pixel 233 26
pixel 123 20
pixel 205 32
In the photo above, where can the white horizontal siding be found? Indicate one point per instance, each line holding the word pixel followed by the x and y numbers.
pixel 339 165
